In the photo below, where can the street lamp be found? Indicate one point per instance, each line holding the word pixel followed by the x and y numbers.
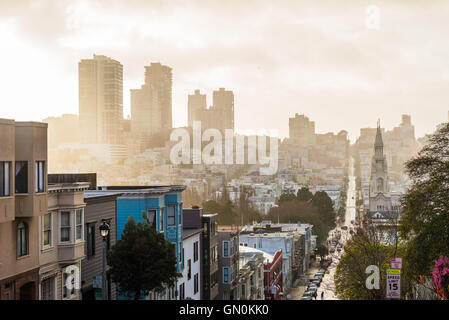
pixel 104 231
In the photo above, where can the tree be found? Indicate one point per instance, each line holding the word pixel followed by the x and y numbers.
pixel 325 207
pixel 287 196
pixel 226 213
pixel 300 211
pixel 304 194
pixel 365 249
pixel 142 260
pixel 425 207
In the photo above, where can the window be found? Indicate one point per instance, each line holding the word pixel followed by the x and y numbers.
pixel 195 251
pixel 90 240
pixel 225 248
pixel 181 291
pixel 5 179
pixel 48 289
pixel 225 275
pixel 205 228
pixel 22 239
pixel 40 176
pixel 46 230
pixel 162 220
pixel 189 269
pixel 151 217
pixel 180 214
pixel 68 293
pixel 79 224
pixel 243 290
pixel 171 215
pixel 21 182
pixel 66 226
pixel 181 254
pixel 195 283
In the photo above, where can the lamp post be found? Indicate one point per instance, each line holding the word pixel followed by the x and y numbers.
pixel 104 231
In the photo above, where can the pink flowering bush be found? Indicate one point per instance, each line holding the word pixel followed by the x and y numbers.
pixel 440 277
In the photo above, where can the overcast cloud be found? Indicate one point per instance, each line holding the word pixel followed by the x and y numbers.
pixel 279 57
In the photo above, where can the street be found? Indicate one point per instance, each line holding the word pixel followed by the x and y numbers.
pixel 327 285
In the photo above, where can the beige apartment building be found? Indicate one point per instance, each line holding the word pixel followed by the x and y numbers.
pixel 23 201
pixel 41 225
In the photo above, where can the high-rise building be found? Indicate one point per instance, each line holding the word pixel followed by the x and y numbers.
pixel 100 100
pixel 219 116
pixel 159 77
pixel 196 105
pixel 223 100
pixel 151 107
pixel 302 130
pixel 145 114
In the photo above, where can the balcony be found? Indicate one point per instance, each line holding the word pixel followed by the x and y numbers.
pixel 29 205
pixel 7 212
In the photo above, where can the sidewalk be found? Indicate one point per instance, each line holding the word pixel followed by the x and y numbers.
pixel 298 288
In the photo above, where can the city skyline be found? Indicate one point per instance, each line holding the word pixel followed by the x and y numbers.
pixel 337 70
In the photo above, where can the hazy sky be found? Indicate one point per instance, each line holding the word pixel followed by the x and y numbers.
pixel 279 57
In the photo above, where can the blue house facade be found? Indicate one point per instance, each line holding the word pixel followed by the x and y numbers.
pixel 162 206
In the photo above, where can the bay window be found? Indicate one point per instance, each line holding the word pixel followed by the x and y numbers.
pixel 171 215
pixel 71 225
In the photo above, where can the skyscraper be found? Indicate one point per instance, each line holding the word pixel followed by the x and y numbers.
pixel 197 103
pixel 100 99
pixel 223 100
pixel 302 130
pixel 159 77
pixel 219 116
pixel 145 114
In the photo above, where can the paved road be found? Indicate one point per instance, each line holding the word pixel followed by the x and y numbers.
pixel 327 285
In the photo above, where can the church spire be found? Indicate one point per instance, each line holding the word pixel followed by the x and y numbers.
pixel 378 142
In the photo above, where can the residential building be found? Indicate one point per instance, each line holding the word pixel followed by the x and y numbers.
pixel 209 248
pixel 100 100
pixel 99 207
pixel 273 276
pixel 302 130
pixel 61 242
pixel 23 204
pixel 251 273
pixel 189 285
pixel 162 206
pixel 228 262
pixel 270 243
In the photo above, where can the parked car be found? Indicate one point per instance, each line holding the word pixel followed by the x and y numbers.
pixel 306 298
pixel 307 294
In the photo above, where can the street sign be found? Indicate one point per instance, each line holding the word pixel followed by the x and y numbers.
pixel 396 263
pixel 97 282
pixel 393 286
pixel 98 293
pixel 393 271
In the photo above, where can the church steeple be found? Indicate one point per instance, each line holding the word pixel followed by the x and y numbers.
pixel 378 144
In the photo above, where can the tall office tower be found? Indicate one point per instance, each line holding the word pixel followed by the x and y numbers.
pixel 196 106
pixel 100 100
pixel 146 114
pixel 223 102
pixel 159 77
pixel 302 130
